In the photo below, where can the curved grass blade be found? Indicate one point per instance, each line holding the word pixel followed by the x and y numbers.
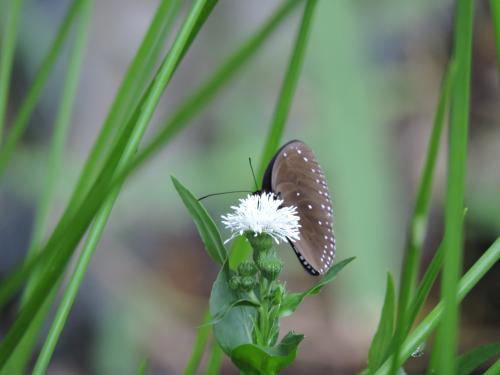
pixel 7 55
pixel 129 94
pixel 204 223
pixel 471 360
pixel 383 335
pixel 201 340
pixel 288 88
pixel 29 103
pixel 215 360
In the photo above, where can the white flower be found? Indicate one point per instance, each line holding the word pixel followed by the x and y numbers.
pixel 261 213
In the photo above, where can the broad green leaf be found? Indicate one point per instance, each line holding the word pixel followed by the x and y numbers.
pixel 471 360
pixel 293 300
pixel 259 360
pixel 204 223
pixel 236 327
pixel 383 335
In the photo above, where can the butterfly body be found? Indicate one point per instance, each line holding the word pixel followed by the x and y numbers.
pixel 296 177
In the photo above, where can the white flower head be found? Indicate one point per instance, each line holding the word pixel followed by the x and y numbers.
pixel 261 213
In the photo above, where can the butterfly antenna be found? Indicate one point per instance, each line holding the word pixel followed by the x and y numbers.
pixel 253 173
pixel 225 192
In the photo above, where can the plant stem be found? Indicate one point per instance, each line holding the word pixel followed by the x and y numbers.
pixel 29 103
pixel 7 55
pixel 199 346
pixel 446 342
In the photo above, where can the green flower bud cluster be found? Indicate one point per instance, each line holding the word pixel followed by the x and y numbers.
pixel 244 280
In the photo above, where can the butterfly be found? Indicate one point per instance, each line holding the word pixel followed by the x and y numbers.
pixel 294 175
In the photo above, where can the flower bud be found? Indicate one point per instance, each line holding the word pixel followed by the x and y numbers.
pixel 235 282
pixel 270 266
pixel 260 242
pixel 247 268
pixel 247 283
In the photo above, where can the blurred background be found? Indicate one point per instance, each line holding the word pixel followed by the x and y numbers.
pixel 365 104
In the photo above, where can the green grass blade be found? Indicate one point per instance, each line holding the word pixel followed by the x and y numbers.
pixel 129 92
pixel 494 369
pixel 418 224
pixel 7 55
pixel 64 250
pixel 288 87
pixel 215 360
pixel 495 15
pixel 489 258
pixel 424 289
pixel 383 334
pixel 199 346
pixel 180 118
pixel 143 367
pixel 471 360
pixel 204 223
pixel 29 103
pixel 446 344
pixel 60 132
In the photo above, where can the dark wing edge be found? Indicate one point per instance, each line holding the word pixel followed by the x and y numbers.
pixel 307 266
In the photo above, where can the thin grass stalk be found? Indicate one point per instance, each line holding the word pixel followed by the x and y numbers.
pixel 202 335
pixel 193 105
pixel 129 93
pixel 215 360
pixel 7 56
pixel 143 367
pixel 60 134
pixel 418 223
pixel 288 88
pixel 29 103
pixel 489 258
pixel 446 344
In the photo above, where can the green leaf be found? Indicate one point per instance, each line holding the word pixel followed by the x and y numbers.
pixel 293 300
pixel 259 360
pixel 471 360
pixel 236 327
pixel 244 251
pixel 204 223
pixel 383 335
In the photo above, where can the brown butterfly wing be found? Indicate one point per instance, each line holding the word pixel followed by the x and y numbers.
pixel 295 174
